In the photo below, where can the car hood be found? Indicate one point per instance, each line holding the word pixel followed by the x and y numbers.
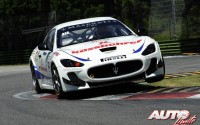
pixel 97 49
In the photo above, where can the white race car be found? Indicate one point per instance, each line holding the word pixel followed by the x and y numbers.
pixel 92 52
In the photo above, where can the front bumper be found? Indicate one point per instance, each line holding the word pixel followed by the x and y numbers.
pixel 99 73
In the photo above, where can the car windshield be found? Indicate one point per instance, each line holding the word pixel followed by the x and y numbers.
pixel 91 31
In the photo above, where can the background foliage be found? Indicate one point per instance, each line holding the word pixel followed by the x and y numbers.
pixel 27 14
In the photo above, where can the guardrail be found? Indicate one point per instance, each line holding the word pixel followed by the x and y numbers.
pixel 180 46
pixel 167 47
pixel 14 57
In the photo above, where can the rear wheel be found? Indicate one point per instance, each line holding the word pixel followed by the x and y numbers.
pixel 35 80
pixel 56 82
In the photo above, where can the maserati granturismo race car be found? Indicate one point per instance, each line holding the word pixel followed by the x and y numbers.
pixel 93 52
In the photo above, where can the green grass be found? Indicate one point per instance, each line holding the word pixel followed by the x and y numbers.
pixel 193 80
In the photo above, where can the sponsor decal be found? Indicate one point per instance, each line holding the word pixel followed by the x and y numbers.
pixel 88 25
pixel 73 69
pixel 42 68
pixel 44 78
pixel 182 116
pixel 41 62
pixel 56 53
pixel 105 44
pixel 44 53
pixel 37 56
pixel 48 66
pixel 113 58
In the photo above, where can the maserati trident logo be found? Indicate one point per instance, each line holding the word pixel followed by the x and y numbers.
pixel 115 70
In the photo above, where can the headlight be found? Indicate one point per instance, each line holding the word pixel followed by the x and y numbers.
pixel 71 63
pixel 150 49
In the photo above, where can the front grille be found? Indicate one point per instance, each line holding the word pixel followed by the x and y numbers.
pixel 111 70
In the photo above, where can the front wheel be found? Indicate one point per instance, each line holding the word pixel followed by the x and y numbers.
pixel 56 82
pixel 157 78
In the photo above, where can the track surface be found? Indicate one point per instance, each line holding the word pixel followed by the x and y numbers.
pixel 73 111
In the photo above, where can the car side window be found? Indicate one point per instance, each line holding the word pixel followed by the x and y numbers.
pixel 45 39
pixel 49 40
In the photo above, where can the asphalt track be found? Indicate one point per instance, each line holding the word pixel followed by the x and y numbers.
pixel 74 110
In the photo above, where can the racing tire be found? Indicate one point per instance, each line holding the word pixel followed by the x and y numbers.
pixel 157 78
pixel 56 82
pixel 35 82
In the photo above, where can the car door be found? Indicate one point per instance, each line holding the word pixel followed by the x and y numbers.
pixel 48 57
pixel 45 58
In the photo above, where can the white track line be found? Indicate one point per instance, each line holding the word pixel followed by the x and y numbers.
pixel 14 70
pixel 31 95
pixel 111 97
pixel 197 96
pixel 178 56
pixel 3 72
pixel 21 95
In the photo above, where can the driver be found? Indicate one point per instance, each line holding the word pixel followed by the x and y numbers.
pixel 103 32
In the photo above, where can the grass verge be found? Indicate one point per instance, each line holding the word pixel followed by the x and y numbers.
pixel 193 80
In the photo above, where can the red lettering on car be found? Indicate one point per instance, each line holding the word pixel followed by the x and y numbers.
pixel 105 45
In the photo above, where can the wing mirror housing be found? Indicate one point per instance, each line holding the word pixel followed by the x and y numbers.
pixel 42 46
pixel 142 32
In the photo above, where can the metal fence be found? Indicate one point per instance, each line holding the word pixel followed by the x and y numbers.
pixel 172 47
pixel 165 19
pixel 173 19
pixel 14 57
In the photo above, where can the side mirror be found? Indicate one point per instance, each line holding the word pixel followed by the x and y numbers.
pixel 42 46
pixel 142 32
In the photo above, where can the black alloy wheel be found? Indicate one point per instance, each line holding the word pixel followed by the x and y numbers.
pixel 56 82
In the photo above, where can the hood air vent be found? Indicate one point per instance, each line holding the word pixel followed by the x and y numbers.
pixel 108 49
